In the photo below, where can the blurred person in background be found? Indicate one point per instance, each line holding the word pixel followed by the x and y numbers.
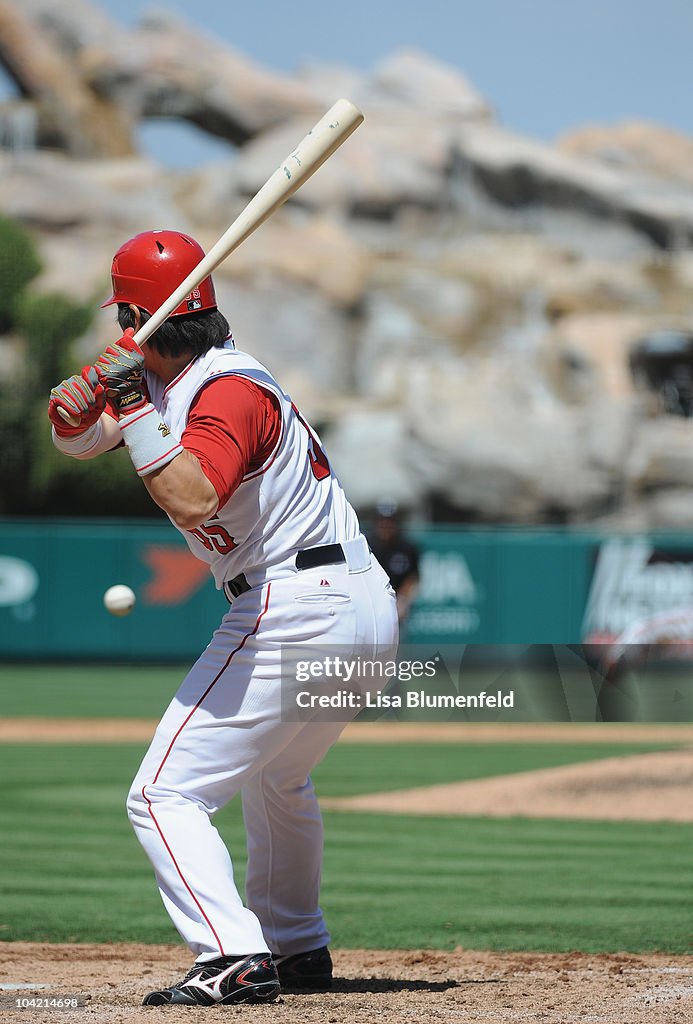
pixel 665 636
pixel 398 556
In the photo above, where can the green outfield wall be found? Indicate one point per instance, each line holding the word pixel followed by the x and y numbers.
pixel 477 586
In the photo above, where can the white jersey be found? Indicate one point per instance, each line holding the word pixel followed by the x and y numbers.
pixel 294 501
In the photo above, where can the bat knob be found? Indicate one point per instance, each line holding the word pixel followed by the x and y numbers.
pixel 71 420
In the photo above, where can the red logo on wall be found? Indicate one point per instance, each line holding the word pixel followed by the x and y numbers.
pixel 177 574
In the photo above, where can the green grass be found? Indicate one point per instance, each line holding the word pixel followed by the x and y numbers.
pixel 70 868
pixel 508 884
pixel 353 768
pixel 88 691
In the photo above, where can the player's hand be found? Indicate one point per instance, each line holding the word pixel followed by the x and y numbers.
pixel 121 372
pixel 83 399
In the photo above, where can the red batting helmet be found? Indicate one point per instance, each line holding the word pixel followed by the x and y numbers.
pixel 149 267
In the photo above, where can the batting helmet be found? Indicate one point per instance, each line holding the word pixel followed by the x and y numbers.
pixel 149 267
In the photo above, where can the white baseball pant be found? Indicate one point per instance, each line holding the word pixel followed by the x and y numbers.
pixel 223 734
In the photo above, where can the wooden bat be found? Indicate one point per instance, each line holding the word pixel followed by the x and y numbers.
pixel 320 143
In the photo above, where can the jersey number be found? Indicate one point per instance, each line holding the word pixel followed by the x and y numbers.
pixel 316 455
pixel 215 538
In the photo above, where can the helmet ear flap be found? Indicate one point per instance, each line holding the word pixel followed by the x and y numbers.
pixel 149 267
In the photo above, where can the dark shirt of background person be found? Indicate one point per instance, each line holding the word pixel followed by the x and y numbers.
pixel 398 556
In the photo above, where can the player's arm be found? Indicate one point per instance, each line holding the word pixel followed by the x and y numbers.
pixel 233 428
pixel 83 399
pixel 190 479
pixel 172 476
pixel 409 587
pixel 183 491
pixel 405 595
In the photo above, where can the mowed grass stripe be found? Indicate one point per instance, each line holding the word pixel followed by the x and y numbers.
pixel 352 769
pixel 510 884
pixel 70 868
pixel 88 690
pixel 89 772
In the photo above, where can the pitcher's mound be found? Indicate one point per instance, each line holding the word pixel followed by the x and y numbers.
pixel 645 787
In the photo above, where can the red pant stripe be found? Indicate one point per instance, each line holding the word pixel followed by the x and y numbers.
pixel 170 748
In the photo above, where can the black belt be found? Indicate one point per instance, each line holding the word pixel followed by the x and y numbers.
pixel 328 554
pixel 237 586
pixel 310 558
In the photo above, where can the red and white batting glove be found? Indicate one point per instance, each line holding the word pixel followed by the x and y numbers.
pixel 82 397
pixel 120 369
pixel 149 441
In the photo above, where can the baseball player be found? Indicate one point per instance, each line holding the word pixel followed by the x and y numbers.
pixel 223 451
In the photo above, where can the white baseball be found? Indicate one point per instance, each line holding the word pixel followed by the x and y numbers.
pixel 119 600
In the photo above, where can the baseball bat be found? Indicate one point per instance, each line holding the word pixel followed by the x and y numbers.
pixel 320 143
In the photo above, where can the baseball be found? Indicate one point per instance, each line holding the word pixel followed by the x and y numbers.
pixel 119 600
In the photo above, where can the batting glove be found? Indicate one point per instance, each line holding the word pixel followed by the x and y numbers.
pixel 82 397
pixel 120 369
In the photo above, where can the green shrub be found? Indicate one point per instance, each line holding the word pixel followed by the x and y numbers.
pixel 50 324
pixel 19 263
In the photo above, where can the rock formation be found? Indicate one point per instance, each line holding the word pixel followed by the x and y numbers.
pixel 451 303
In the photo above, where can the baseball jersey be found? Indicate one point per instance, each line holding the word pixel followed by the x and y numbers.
pixel 290 502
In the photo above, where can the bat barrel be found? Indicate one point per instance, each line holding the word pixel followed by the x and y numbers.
pixel 319 144
pixel 333 129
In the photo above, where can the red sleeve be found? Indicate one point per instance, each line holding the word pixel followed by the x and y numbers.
pixel 233 427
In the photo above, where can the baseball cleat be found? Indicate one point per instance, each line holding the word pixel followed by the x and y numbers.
pixel 228 979
pixel 308 971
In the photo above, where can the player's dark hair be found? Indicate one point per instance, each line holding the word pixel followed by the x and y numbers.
pixel 193 333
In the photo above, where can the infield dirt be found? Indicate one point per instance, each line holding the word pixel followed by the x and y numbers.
pixel 35 729
pixel 396 987
pixel 644 787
